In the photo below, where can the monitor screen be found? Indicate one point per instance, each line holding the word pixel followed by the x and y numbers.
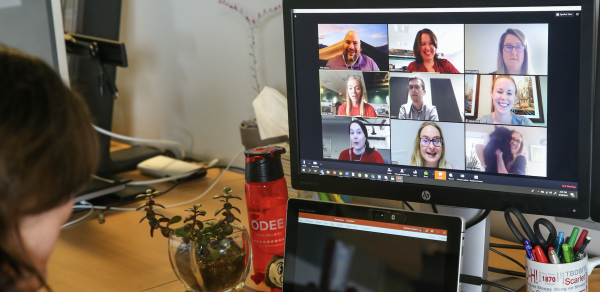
pixel 472 105
pixel 36 28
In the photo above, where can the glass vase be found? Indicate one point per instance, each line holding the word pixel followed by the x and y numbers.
pixel 198 272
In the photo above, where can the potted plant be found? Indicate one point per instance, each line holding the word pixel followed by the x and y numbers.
pixel 207 256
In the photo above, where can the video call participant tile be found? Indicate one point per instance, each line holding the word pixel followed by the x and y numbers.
pixel 428 144
pixel 506 99
pixel 355 93
pixel 516 49
pixel 356 139
pixel 427 97
pixel 426 48
pixel 361 47
pixel 506 149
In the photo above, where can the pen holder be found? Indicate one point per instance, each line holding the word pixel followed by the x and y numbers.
pixel 560 277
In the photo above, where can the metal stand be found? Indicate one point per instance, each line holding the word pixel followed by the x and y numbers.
pixel 477 243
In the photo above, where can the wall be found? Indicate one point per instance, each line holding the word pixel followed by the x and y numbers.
pixel 188 77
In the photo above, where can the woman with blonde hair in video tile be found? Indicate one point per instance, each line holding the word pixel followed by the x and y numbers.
pixel 356 100
pixel 513 54
pixel 429 148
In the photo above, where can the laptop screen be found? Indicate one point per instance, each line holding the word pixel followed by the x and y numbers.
pixel 345 254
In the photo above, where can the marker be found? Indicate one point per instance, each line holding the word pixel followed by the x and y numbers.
pixel 559 242
pixel 581 252
pixel 529 249
pixel 552 256
pixel 539 255
pixel 580 240
pixel 573 237
pixel 567 253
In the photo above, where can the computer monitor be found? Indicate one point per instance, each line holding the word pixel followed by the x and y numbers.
pixel 505 120
pixel 36 28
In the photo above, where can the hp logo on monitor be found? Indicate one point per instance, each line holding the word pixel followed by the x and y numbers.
pixel 426 195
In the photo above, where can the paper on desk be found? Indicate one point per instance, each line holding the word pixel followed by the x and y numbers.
pixel 270 108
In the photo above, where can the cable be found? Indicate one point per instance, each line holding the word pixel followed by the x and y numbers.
pixel 182 203
pixel 165 179
pixel 126 138
pixel 513 260
pixel 509 246
pixel 81 218
pixel 486 282
pixel 477 219
pixel 507 272
pixel 434 208
pixel 101 219
pixel 110 181
pixel 408 205
pixel 468 279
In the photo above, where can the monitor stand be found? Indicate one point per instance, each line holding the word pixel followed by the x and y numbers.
pixel 476 244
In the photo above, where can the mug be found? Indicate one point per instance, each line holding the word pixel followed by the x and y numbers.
pixel 573 276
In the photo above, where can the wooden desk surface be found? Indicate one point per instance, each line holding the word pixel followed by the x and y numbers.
pixel 120 255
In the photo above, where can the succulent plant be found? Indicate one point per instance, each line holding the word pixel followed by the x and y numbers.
pixel 193 229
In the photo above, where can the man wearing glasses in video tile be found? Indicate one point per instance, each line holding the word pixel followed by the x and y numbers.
pixel 351 58
pixel 415 108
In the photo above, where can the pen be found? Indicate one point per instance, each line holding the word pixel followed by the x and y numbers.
pixel 581 252
pixel 580 240
pixel 539 254
pixel 559 242
pixel 567 253
pixel 552 256
pixel 529 249
pixel 573 237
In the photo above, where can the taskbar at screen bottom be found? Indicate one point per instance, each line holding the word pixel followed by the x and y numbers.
pixel 444 178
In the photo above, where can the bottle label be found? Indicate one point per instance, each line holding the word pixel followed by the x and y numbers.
pixel 268 230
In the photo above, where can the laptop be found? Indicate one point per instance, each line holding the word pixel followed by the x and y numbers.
pixel 352 248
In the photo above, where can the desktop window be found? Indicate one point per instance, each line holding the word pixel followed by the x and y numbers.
pixel 460 97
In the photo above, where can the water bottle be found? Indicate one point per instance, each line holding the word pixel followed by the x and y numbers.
pixel 266 199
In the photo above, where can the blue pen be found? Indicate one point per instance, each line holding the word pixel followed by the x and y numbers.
pixel 529 249
pixel 558 245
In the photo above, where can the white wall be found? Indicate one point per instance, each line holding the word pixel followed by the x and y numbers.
pixel 188 77
pixel 481 45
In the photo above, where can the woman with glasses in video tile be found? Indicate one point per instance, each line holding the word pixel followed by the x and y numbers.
pixel 429 150
pixel 513 55
pixel 518 164
pixel 360 150
pixel 503 94
pixel 356 100
pixel 426 58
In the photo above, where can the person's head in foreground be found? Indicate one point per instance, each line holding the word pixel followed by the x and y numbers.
pixel 48 151
pixel 513 54
pixel 351 47
pixel 425 46
pixel 429 149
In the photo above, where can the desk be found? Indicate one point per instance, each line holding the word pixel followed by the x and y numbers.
pixel 120 255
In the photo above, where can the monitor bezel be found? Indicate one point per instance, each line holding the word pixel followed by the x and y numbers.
pixel 461 197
